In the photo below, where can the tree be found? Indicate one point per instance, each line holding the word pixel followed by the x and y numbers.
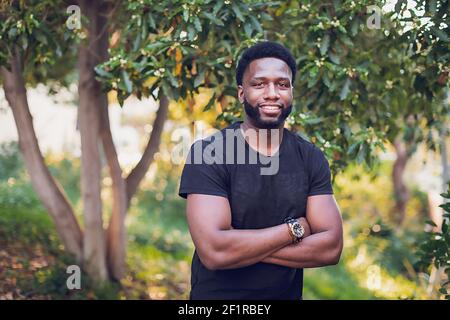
pixel 166 49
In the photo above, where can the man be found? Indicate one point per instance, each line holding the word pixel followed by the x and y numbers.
pixel 253 232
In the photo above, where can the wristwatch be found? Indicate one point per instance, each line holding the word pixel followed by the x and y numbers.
pixel 296 230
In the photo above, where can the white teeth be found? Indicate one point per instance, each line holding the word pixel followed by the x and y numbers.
pixel 270 108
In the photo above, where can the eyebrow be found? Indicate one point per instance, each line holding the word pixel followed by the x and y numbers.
pixel 264 78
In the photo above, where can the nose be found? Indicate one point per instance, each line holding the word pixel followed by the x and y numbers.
pixel 271 92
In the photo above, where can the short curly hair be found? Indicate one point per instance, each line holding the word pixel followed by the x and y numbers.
pixel 265 49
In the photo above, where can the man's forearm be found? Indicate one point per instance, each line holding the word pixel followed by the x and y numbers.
pixel 317 250
pixel 240 248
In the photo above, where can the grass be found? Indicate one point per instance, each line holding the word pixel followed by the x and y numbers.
pixel 331 283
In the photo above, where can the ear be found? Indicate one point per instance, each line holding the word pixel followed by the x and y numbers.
pixel 241 94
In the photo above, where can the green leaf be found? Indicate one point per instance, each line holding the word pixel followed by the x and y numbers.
pixel 102 73
pixel 265 16
pixel 443 290
pixel 346 39
pixel 334 58
pixel 126 81
pixel 353 149
pixel 313 71
pixel 237 12
pixel 326 80
pixel 354 27
pixel 186 15
pixel 345 89
pixel 12 33
pixel 24 41
pixel 439 33
pixel 191 32
pixel 120 97
pixel 210 103
pixel 199 78
pixel 213 19
pixel 256 24
pixel 151 21
pixel 431 223
pixel 172 79
pixel 319 137
pixel 432 6
pixel 312 81
pixel 197 24
pixel 137 42
pixel 445 195
pixel 312 121
pixel 217 7
pixel 361 153
pixel 325 44
pixel 248 29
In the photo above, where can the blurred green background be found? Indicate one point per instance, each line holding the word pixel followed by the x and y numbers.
pixel 140 80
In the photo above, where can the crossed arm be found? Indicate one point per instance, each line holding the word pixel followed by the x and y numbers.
pixel 219 246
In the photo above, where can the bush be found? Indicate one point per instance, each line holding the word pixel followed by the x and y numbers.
pixel 11 163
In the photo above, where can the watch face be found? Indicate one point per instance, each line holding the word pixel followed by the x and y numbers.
pixel 298 230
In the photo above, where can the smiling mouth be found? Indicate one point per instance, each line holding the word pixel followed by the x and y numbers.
pixel 270 109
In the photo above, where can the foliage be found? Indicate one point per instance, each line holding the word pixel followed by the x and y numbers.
pixel 15 189
pixel 427 33
pixel 179 50
pixel 435 249
pixel 10 161
pixel 36 31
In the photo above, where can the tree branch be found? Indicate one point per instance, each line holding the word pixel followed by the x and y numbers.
pixel 139 171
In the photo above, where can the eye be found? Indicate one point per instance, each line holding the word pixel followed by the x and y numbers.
pixel 258 84
pixel 284 84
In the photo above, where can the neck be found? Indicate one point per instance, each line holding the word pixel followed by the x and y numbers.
pixel 269 145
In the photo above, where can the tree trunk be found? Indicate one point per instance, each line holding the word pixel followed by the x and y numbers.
pixel 50 193
pixel 400 190
pixel 91 100
pixel 138 172
pixel 116 237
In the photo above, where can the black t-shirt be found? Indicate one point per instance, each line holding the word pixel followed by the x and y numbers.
pixel 257 201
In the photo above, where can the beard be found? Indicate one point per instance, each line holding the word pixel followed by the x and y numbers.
pixel 254 113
